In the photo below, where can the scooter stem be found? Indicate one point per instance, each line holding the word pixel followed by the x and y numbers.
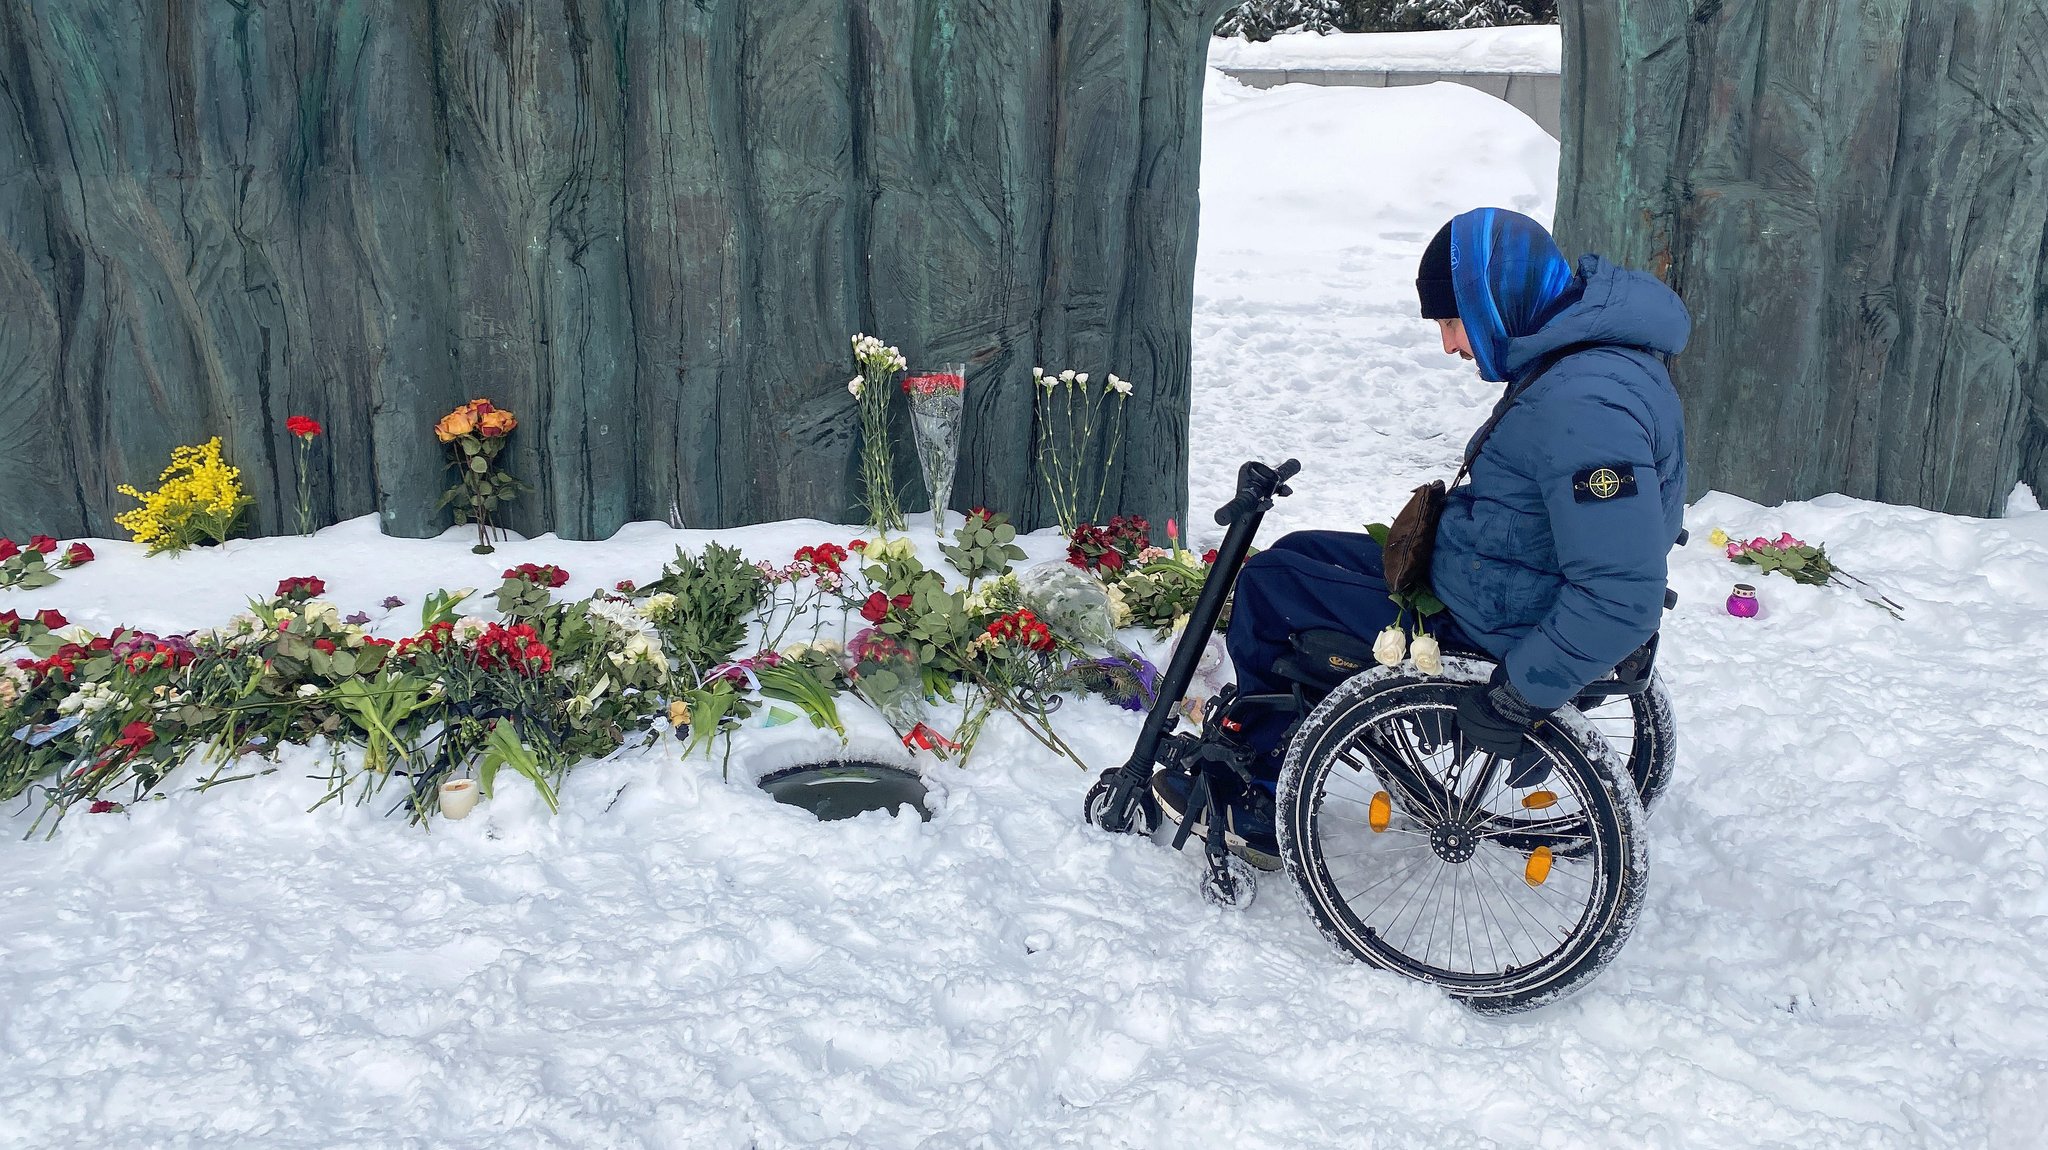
pixel 1257 485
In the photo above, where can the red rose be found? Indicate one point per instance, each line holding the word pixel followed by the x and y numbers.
pixel 876 608
pixel 102 807
pixel 301 587
pixel 538 574
pixel 1209 557
pixel 77 555
pixel 52 619
pixel 8 549
pixel 10 622
pixel 624 586
pixel 324 645
pixel 1111 560
pixel 305 427
pixel 135 737
pixel 42 543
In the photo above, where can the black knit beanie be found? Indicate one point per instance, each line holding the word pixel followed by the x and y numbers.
pixel 1433 279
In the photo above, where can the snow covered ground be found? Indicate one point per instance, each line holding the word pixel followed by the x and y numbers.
pixel 1846 940
pixel 1538 48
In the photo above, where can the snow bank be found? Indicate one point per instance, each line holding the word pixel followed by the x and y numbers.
pixel 1537 48
pixel 1845 943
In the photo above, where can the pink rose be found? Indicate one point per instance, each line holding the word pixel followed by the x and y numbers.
pixel 1759 543
pixel 1734 550
pixel 1786 540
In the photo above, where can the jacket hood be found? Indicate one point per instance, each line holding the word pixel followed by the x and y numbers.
pixel 1614 306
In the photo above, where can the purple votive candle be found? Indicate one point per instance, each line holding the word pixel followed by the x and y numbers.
pixel 1742 601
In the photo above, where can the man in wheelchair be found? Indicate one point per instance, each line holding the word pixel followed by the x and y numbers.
pixel 1550 560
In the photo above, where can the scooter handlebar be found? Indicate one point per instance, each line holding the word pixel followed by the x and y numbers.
pixel 1257 484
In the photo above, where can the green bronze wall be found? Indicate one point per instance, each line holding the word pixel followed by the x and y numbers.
pixel 646 226
pixel 1852 196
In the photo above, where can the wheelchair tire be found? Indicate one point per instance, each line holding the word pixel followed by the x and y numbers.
pixel 1642 730
pixel 1506 898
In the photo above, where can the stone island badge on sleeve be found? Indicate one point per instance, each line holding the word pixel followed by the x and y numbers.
pixel 1600 484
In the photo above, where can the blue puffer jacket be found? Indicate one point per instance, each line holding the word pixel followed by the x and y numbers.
pixel 1552 557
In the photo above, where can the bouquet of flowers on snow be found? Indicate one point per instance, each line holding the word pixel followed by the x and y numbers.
pixel 1800 561
pixel 33 567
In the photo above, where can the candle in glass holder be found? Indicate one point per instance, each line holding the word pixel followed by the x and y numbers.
pixel 1742 601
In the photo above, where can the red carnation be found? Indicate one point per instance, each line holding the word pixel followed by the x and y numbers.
pixel 42 543
pixel 102 807
pixel 305 427
pixel 1209 557
pixel 823 557
pixel 76 555
pixel 624 586
pixel 52 619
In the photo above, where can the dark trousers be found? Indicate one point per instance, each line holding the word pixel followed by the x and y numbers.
pixel 1308 580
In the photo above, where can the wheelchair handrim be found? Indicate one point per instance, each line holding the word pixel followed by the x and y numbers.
pixel 1478 926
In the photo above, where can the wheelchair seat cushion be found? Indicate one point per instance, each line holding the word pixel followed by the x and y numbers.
pixel 1323 658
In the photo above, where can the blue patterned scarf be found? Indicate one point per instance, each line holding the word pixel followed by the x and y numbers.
pixel 1509 278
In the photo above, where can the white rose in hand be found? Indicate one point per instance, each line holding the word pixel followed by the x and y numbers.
pixel 1429 658
pixel 1391 647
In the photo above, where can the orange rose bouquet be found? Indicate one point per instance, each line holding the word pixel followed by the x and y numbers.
pixel 475 433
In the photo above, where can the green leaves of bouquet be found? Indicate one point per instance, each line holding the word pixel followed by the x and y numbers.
pixel 702 603
pixel 985 545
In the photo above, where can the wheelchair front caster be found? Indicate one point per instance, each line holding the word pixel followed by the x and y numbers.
pixel 1140 815
pixel 1230 883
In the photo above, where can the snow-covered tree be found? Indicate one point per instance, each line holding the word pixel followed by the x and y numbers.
pixel 1262 19
pixel 1486 13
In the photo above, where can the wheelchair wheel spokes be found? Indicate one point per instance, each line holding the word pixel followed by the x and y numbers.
pixel 1415 853
pixel 1640 729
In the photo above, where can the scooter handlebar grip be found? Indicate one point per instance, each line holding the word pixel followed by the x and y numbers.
pixel 1256 490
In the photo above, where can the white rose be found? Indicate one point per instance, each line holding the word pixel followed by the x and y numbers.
pixel 1391 647
pixel 1429 658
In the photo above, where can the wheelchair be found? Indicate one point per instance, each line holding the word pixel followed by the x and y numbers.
pixel 1508 884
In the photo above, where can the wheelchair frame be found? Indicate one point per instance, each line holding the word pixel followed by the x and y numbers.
pixel 1121 801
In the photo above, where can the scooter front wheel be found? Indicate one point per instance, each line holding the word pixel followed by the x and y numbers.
pixel 1140 815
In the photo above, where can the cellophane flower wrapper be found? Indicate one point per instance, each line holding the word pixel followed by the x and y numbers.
pixel 935 420
pixel 884 674
pixel 1070 601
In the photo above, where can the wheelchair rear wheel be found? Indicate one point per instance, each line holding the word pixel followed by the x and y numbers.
pixel 1641 729
pixel 1413 853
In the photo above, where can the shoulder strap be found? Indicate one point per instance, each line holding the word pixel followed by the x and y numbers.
pixel 1514 393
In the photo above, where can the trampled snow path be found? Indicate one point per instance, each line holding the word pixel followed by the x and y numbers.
pixel 1846 941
